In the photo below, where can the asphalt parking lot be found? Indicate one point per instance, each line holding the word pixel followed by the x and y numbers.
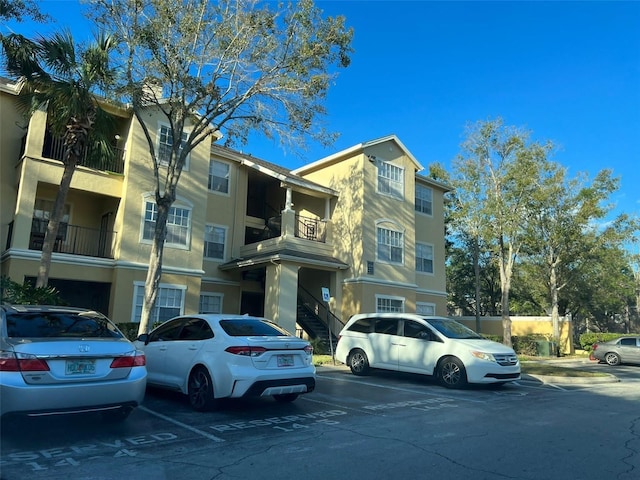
pixel 383 426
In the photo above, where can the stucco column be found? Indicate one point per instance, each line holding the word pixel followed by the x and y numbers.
pixel 281 294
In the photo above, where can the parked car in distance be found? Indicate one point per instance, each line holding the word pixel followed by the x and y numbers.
pixel 436 346
pixel 59 360
pixel 615 352
pixel 214 356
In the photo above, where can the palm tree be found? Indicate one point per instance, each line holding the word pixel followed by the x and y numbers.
pixel 56 74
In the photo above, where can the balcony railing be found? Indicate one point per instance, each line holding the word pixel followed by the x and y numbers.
pixel 73 239
pixel 311 229
pixel 54 148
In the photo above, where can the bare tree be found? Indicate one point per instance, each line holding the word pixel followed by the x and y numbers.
pixel 229 66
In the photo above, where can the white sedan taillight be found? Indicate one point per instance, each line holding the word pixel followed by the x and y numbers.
pixel 246 351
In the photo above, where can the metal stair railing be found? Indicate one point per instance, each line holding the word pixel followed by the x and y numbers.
pixel 319 310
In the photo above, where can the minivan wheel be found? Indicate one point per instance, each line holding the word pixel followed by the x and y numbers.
pixel 200 390
pixel 358 362
pixel 451 373
pixel 612 358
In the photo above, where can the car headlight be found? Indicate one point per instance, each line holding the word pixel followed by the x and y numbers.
pixel 483 356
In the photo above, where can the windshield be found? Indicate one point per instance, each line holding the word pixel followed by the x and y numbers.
pixel 452 329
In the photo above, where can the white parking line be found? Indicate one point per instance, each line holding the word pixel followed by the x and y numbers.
pixel 400 389
pixel 182 425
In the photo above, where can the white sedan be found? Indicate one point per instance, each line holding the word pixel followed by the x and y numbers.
pixel 213 356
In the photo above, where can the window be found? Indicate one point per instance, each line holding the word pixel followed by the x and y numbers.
pixel 390 246
pixel 214 240
pixel 390 180
pixel 169 303
pixel 363 325
pixel 389 304
pixel 424 258
pixel 423 308
pixel 165 143
pixel 387 326
pixel 219 176
pixel 41 214
pixel 424 199
pixel 196 329
pixel 210 303
pixel 413 329
pixel 178 224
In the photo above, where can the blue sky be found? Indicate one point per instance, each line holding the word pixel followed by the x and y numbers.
pixel 567 71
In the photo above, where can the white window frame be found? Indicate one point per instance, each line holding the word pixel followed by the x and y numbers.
pixel 224 230
pixel 212 164
pixel 390 180
pixel 177 292
pixel 389 299
pixel 149 208
pixel 209 296
pixel 421 201
pixel 160 144
pixel 419 245
pixel 425 308
pixel 392 236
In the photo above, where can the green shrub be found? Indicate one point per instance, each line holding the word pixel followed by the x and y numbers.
pixel 28 294
pixel 523 344
pixel 319 347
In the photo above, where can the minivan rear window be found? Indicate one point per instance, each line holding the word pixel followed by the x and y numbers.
pixel 363 326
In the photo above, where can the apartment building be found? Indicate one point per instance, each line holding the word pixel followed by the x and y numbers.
pixel 360 230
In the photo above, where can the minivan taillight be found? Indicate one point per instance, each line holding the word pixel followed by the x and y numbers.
pixel 21 362
pixel 136 360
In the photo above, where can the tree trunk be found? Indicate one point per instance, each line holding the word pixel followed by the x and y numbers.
pixel 476 270
pixel 555 319
pixel 54 223
pixel 155 266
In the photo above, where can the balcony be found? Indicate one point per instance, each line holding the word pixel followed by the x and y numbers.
pixel 306 228
pixel 54 148
pixel 74 239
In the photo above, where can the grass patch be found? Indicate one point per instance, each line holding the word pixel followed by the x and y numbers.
pixel 546 369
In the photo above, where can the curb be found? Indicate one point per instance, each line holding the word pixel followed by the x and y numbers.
pixel 556 380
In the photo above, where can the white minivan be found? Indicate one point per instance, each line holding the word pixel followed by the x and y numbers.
pixel 437 346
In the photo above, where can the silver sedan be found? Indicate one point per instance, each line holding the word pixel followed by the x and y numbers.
pixel 620 350
pixel 56 360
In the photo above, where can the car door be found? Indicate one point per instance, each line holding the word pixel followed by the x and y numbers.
pixel 420 348
pixel 156 350
pixel 629 350
pixel 183 352
pixel 385 343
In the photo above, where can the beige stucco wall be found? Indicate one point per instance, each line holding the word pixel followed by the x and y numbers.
pixel 521 326
pixel 139 185
pixel 11 135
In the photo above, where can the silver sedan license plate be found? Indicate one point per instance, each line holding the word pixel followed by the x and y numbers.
pixel 285 360
pixel 80 367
